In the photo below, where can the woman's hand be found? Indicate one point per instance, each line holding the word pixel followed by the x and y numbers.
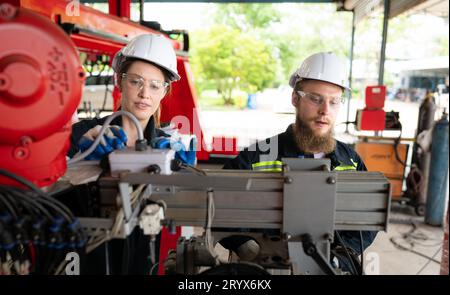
pixel 184 152
pixel 113 138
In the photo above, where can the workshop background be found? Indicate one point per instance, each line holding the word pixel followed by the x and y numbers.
pixel 235 60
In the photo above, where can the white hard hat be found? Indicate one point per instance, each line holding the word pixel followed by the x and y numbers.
pixel 322 66
pixel 153 48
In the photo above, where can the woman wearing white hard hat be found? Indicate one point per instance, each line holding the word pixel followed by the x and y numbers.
pixel 144 70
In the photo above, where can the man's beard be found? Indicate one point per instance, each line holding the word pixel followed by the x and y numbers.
pixel 310 143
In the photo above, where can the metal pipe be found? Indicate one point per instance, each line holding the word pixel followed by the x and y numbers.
pixel 350 76
pixel 141 10
pixel 387 7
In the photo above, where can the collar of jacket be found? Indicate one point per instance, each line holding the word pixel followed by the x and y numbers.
pixel 289 149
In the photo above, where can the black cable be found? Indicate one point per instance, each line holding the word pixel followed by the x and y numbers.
pixel 47 202
pixel 9 207
pixel 397 245
pixel 396 143
pixel 126 257
pixel 429 260
pixel 37 190
pixel 410 235
pixel 56 209
pixel 50 202
pixel 346 252
pixel 17 203
pixel 28 199
pixel 63 208
pixel 23 181
pixel 361 245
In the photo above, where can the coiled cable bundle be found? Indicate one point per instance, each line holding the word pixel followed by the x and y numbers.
pixel 36 231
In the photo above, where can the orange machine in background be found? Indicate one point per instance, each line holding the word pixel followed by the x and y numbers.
pixel 380 156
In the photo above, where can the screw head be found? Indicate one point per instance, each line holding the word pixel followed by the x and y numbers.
pixel 328 237
pixel 311 251
pixel 21 153
pixel 331 180
pixel 8 11
pixel 288 179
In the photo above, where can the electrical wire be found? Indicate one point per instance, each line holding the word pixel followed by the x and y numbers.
pixel 361 245
pixel 397 142
pixel 22 204
pixel 23 181
pixel 38 191
pixel 355 270
pixel 126 257
pixel 96 241
pixel 429 260
pixel 153 267
pixel 194 169
pixel 32 201
pixel 102 131
pixel 412 237
pixel 210 211
pixel 8 206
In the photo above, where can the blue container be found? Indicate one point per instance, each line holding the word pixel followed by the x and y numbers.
pixel 251 101
pixel 438 177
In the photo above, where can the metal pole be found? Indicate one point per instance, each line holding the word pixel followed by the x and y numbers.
pixel 387 5
pixel 141 10
pixel 352 45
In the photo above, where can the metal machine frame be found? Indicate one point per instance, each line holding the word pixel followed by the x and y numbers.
pixel 303 206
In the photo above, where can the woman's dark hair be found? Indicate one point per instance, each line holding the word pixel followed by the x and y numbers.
pixel 123 68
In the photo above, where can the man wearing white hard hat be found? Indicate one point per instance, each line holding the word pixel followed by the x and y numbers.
pixel 318 88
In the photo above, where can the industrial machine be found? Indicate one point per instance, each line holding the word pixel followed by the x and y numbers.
pixel 373 117
pixel 278 211
pixel 387 155
pixel 39 91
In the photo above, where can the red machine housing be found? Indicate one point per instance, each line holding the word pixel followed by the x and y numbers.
pixel 41 80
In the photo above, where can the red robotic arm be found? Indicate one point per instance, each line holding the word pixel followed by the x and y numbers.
pixel 41 80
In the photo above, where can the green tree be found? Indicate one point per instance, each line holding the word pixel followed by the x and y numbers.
pixel 233 60
pixel 247 17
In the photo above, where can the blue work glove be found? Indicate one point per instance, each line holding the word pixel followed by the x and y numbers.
pixel 185 155
pixel 114 138
pixel 162 143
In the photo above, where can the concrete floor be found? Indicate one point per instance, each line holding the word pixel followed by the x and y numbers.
pixel 384 258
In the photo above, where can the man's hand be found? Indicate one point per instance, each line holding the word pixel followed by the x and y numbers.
pixel 113 138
